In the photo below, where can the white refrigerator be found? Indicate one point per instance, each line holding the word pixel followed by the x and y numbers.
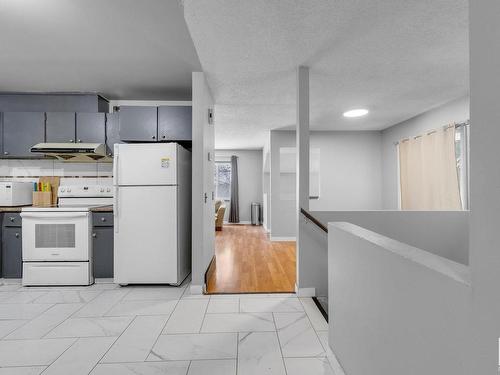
pixel 152 213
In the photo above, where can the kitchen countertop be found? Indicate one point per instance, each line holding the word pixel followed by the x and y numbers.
pixel 108 208
pixel 12 209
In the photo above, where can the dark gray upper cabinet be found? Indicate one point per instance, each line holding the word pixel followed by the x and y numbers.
pixel 138 123
pixel 22 130
pixel 60 127
pixel 90 127
pixel 112 131
pixel 174 123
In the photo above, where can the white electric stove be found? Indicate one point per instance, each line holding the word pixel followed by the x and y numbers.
pixel 57 241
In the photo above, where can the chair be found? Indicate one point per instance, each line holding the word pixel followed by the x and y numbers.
pixel 220 209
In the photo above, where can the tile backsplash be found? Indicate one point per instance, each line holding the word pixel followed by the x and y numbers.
pixel 70 173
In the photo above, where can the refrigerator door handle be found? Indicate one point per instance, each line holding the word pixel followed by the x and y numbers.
pixel 116 189
pixel 116 221
pixel 115 166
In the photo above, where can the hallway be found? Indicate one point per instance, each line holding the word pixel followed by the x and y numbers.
pixel 248 262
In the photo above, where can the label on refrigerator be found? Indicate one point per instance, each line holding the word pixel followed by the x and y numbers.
pixel 165 162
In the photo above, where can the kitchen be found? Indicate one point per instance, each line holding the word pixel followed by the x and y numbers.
pixel 67 237
pixel 107 152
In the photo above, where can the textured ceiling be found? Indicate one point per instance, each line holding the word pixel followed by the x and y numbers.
pixel 396 58
pixel 124 49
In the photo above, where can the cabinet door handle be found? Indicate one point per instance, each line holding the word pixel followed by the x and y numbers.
pixel 11 219
pixel 153 137
pixel 103 219
pixel 6 153
pixel 79 141
pixel 17 235
pixel 94 235
pixel 70 141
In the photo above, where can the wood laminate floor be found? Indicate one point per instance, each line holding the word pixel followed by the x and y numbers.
pixel 248 262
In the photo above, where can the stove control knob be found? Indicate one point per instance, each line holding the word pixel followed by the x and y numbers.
pixel 102 190
pixel 62 190
pixel 69 190
pixel 108 190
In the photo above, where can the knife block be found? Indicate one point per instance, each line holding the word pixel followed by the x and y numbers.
pixel 42 198
pixel 54 185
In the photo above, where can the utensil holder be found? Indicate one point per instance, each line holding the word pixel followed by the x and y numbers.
pixel 42 198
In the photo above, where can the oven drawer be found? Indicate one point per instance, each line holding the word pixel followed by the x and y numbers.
pixel 57 273
pixel 56 236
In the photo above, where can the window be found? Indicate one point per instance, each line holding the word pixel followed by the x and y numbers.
pixel 433 170
pixel 223 180
pixel 462 155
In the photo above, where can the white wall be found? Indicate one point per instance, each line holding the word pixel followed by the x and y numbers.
pixel 350 171
pixel 396 309
pixel 350 175
pixel 203 237
pixel 454 111
pixel 249 179
pixel 443 233
pixel 266 184
pixel 282 212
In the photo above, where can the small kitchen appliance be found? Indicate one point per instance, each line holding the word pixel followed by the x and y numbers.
pixel 13 193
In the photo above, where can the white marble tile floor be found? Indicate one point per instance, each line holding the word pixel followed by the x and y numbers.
pixel 105 329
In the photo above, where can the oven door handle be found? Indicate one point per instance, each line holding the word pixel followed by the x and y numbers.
pixel 54 215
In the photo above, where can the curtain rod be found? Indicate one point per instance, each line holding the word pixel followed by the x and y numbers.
pixel 456 124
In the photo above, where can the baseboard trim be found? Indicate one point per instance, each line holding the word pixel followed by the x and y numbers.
pixel 210 270
pixel 239 223
pixel 197 289
pixel 305 292
pixel 273 238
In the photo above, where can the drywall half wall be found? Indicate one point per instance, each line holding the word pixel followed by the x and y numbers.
pixel 454 111
pixel 203 236
pixel 396 309
pixel 349 176
pixel 249 179
pixel 442 233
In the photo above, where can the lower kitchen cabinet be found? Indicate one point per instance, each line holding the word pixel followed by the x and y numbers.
pixel 102 237
pixel 12 252
pixel 12 245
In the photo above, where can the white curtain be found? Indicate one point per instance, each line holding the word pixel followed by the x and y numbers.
pixel 428 172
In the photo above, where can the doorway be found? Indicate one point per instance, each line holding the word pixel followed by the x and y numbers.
pixel 246 260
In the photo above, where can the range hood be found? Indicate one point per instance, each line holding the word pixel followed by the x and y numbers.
pixel 74 152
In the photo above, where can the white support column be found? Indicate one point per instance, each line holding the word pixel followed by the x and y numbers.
pixel 484 239
pixel 302 138
pixel 302 161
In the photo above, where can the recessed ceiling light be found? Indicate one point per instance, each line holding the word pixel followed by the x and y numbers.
pixel 356 112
